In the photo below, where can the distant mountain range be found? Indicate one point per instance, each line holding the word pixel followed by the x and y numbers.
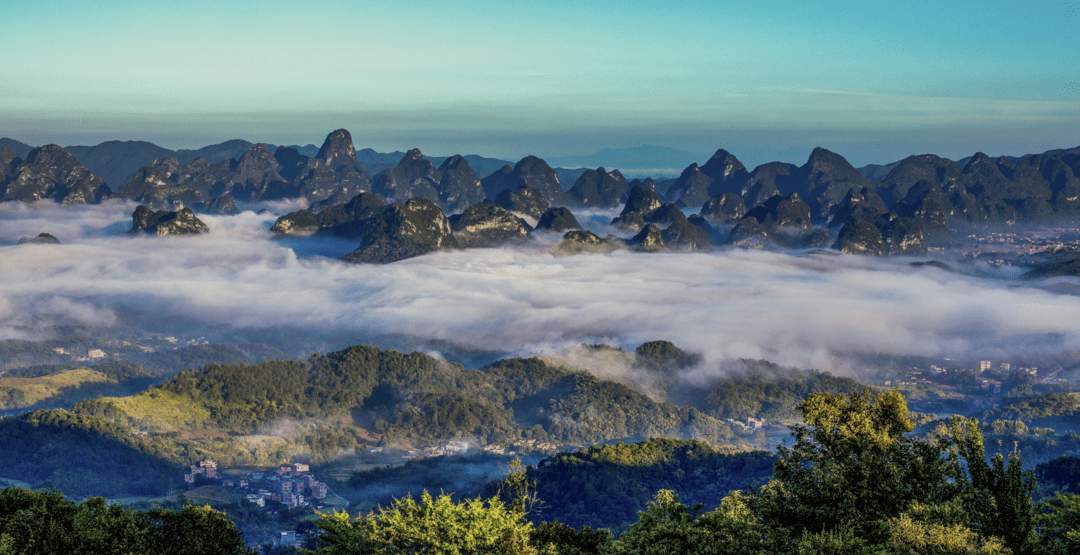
pixel 930 191
pixel 117 161
pixel 654 161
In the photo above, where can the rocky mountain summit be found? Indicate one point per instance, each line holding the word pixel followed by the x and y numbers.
pixel 346 219
pixel 641 202
pixel 488 225
pixel 400 231
pixel 49 172
pixel 525 200
pixel 40 239
pixel 600 188
pixel 558 219
pixel 884 235
pixel 724 208
pixel 696 185
pixel 581 241
pixel 779 221
pixel 919 201
pixel 182 222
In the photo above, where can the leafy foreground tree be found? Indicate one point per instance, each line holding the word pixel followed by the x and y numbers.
pixel 854 482
pixel 1060 526
pixel 44 523
pixel 434 526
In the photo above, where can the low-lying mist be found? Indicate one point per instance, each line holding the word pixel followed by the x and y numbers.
pixel 239 282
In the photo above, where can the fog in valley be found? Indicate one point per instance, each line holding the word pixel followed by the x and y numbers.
pixel 240 283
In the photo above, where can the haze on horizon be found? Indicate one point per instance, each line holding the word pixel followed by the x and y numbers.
pixel 874 83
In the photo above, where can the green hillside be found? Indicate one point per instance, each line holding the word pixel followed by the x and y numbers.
pixel 19 393
pixel 327 406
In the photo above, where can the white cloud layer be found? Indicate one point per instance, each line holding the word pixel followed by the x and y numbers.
pixel 809 311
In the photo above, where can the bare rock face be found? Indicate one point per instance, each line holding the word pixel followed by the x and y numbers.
pixel 257 175
pixel 901 236
pixel 487 225
pixel 779 211
pixel 723 173
pixel 667 214
pixel 401 231
pixel 558 219
pixel 926 204
pixel 538 175
pixel 891 235
pixel 779 221
pixel 641 201
pixel 525 200
pixel 8 162
pixel 153 188
pixel 649 239
pixel 599 188
pixel 349 219
pixel 767 180
pixel 913 169
pixel 413 177
pixel 859 236
pixel 531 172
pixel 826 179
pixel 225 205
pixel 459 187
pixel 50 172
pixel 691 188
pixel 724 208
pixel 581 241
pixel 301 222
pixel 685 236
pixel 182 222
pixel 749 233
pixel 631 222
pixel 865 204
pixel 353 217
pixel 338 198
pixel 335 168
pixel 648 183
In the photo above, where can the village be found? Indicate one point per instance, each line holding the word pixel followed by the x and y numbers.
pixel 980 385
pixel 294 486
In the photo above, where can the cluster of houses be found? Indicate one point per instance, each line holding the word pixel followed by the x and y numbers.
pixel 292 485
pixel 751 424
pixel 462 447
pixel 523 445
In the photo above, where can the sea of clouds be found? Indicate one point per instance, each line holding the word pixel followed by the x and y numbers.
pixel 811 310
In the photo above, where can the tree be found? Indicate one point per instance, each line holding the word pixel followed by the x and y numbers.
pixel 432 526
pixel 998 494
pixel 565 540
pixel 1060 525
pixel 668 526
pixel 192 531
pixel 852 467
pixel 44 523
pixel 938 530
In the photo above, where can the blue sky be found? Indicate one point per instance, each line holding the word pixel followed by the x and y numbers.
pixel 873 81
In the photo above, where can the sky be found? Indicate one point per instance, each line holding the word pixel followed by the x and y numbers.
pixel 874 81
